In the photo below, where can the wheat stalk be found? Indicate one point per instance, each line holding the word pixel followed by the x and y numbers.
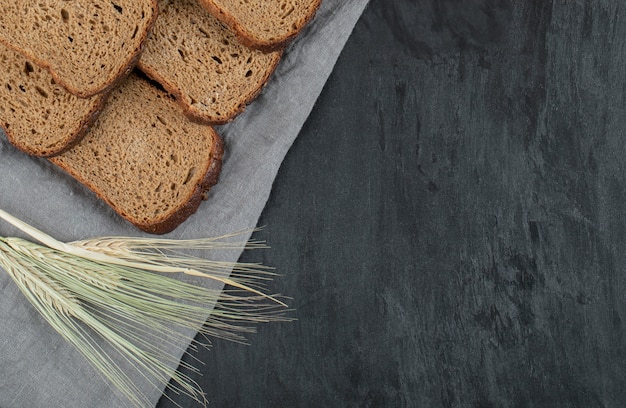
pixel 104 293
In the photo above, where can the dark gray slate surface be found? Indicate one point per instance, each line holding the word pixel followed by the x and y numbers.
pixel 450 222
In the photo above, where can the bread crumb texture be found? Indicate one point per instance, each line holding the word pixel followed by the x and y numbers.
pixel 195 57
pixel 264 22
pixel 143 156
pixel 86 44
pixel 39 116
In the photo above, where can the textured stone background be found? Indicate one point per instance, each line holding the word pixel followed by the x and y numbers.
pixel 450 222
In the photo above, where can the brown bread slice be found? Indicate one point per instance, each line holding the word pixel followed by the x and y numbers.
pixel 87 45
pixel 39 116
pixel 263 24
pixel 145 158
pixel 196 58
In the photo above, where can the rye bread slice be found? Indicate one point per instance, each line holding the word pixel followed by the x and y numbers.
pixel 145 158
pixel 263 24
pixel 39 116
pixel 87 45
pixel 196 58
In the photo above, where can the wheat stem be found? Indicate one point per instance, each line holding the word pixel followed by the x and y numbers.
pixel 98 256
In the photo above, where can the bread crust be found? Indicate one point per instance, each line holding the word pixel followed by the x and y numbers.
pixel 74 137
pixel 188 109
pixel 124 71
pixel 247 38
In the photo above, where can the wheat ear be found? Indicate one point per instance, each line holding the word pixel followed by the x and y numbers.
pixel 103 294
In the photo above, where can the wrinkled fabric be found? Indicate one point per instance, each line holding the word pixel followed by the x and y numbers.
pixel 37 367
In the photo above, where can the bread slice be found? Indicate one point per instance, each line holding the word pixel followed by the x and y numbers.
pixel 196 58
pixel 145 158
pixel 39 116
pixel 87 45
pixel 264 24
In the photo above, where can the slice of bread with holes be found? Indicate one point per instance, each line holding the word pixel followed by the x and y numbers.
pixel 197 59
pixel 263 24
pixel 87 45
pixel 145 158
pixel 39 116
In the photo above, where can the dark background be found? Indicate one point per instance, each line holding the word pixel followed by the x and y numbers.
pixel 450 221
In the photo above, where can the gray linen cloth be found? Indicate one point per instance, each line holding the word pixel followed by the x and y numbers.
pixel 37 368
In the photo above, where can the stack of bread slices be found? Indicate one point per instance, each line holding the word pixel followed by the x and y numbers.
pixel 123 94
